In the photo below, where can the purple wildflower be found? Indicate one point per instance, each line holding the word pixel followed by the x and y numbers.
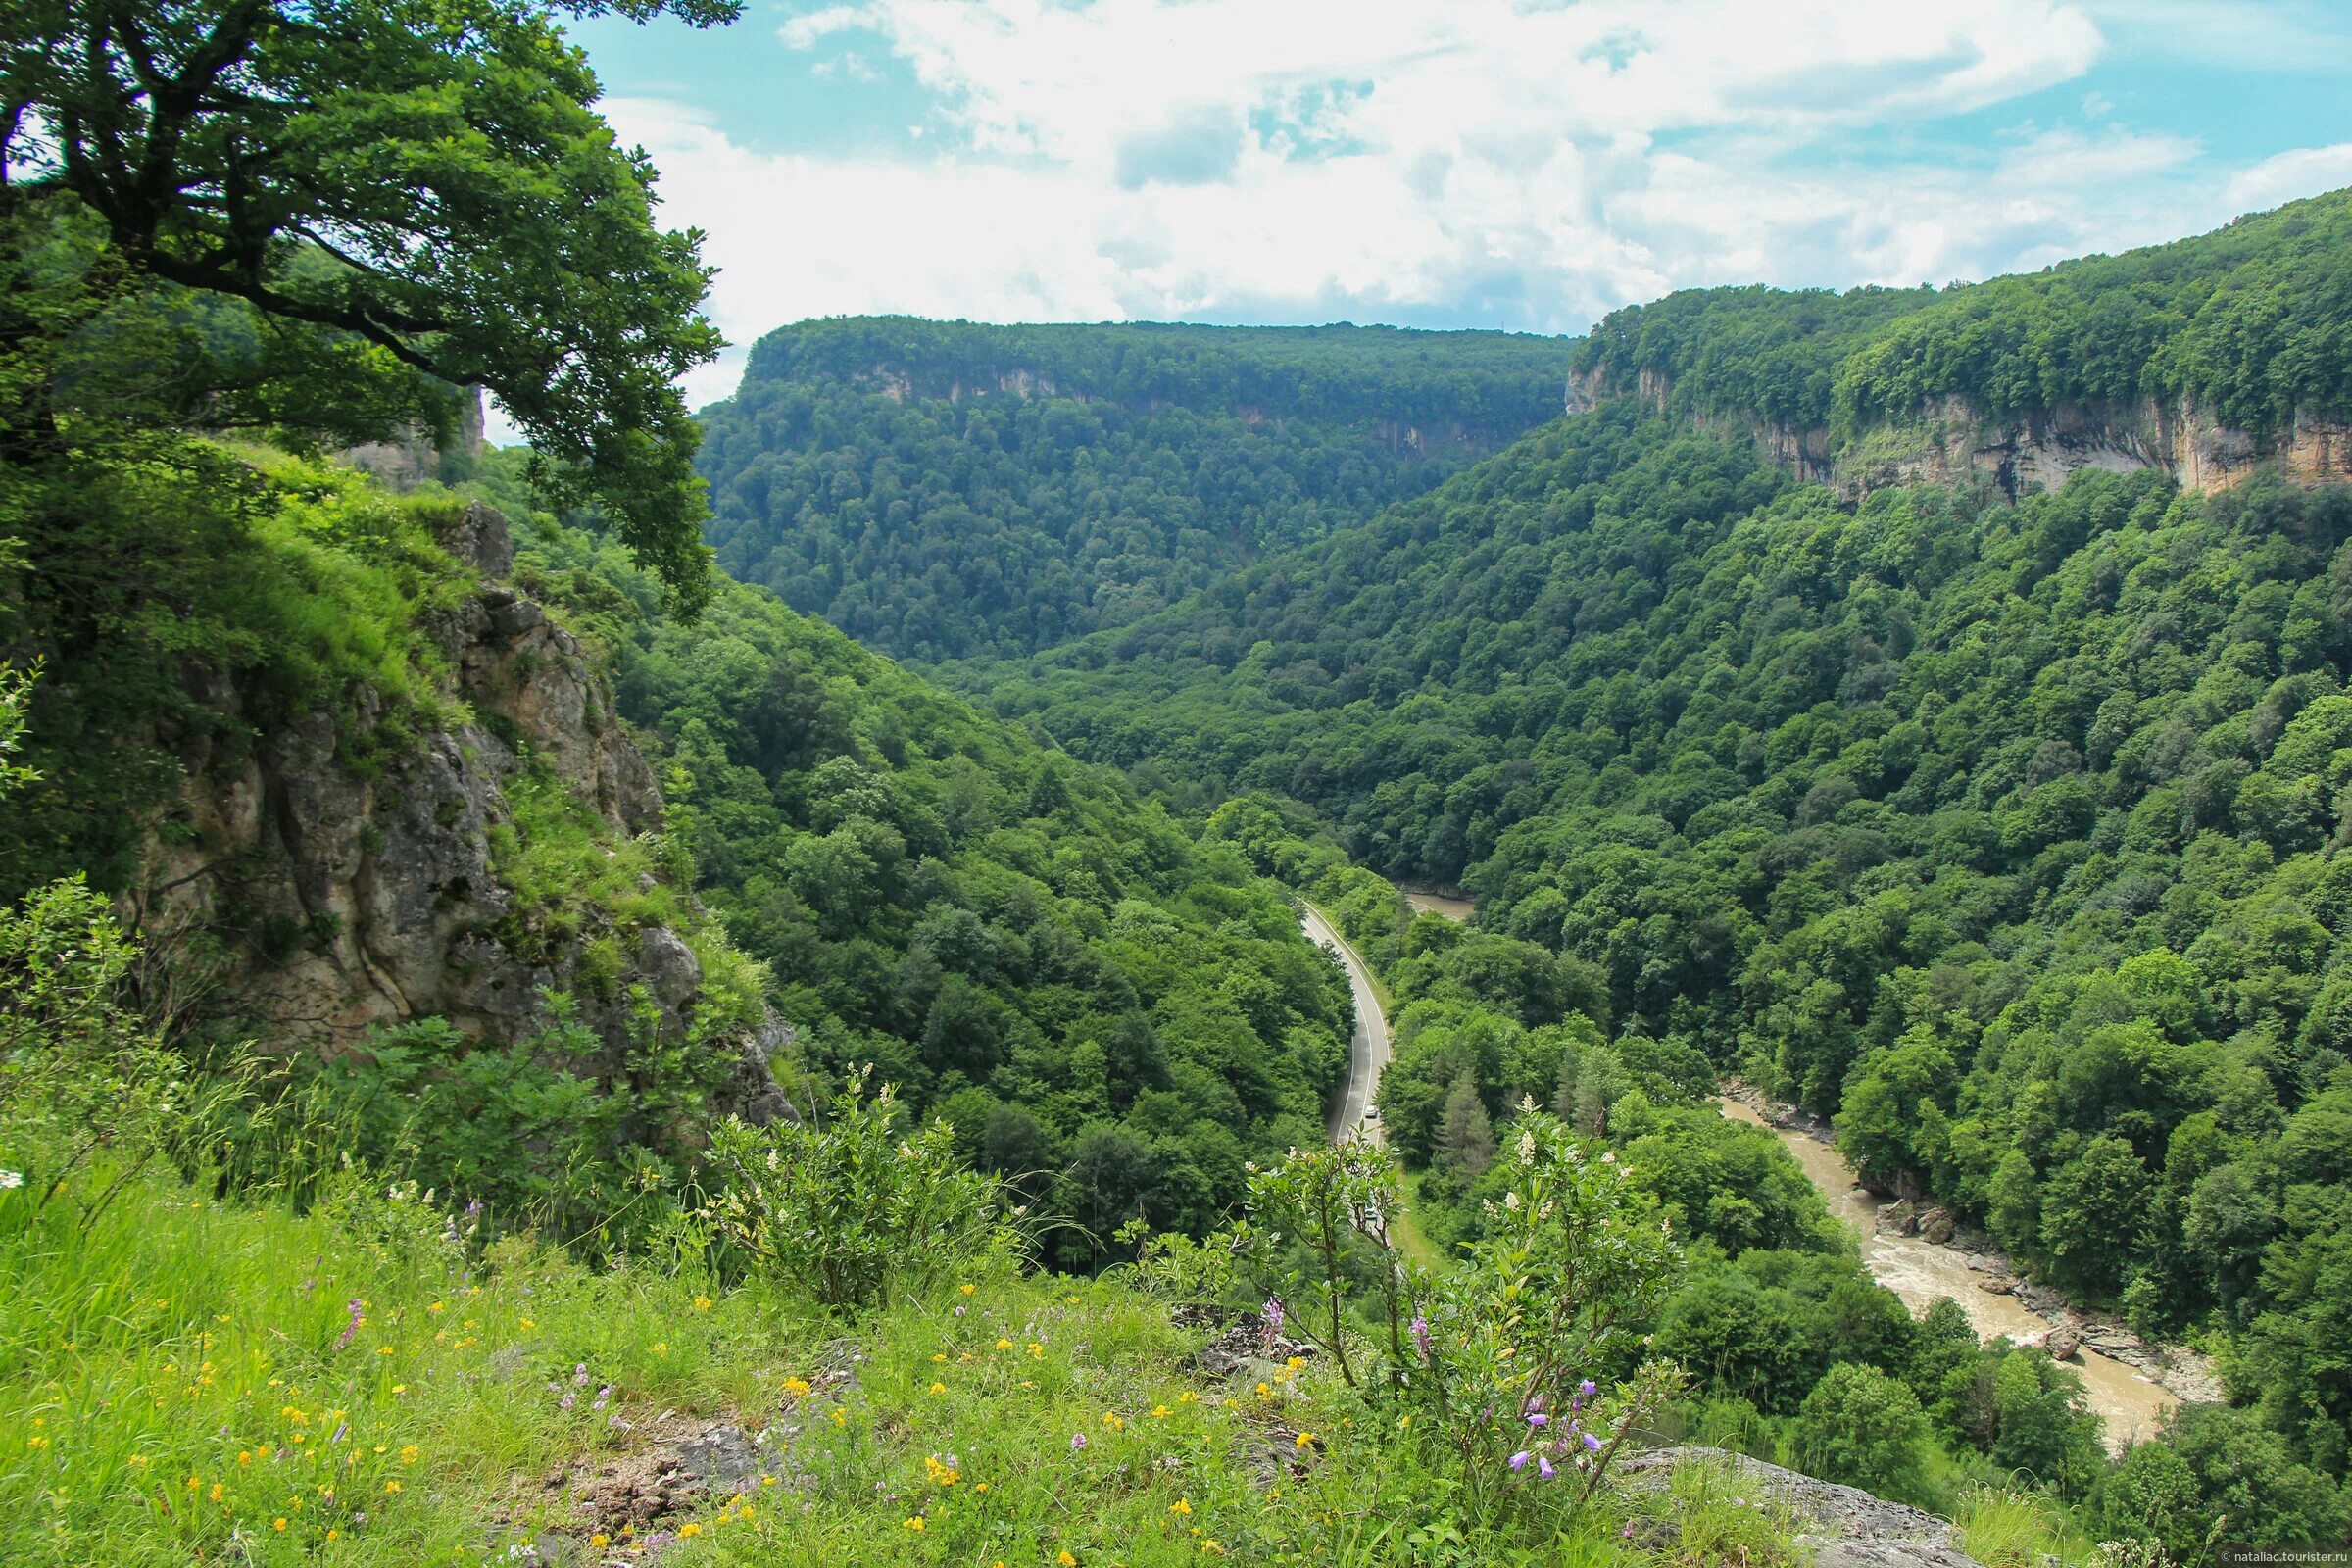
pixel 1077 1442
pixel 1539 1419
pixel 565 1403
pixel 1588 1388
pixel 339 1431
pixel 1592 1444
pixel 1544 1468
pixel 1518 1461
pixel 353 1327
pixel 1421 1336
pixel 579 1373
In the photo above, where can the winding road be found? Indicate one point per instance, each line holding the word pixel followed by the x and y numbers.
pixel 1368 1048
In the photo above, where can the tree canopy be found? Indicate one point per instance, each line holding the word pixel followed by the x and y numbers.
pixel 426 177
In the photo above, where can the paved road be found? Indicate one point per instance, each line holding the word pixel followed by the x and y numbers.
pixel 1368 1050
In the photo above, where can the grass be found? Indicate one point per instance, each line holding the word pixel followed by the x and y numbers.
pixel 194 1380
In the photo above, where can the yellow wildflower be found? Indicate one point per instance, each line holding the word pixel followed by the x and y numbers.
pixel 1182 1507
pixel 915 1523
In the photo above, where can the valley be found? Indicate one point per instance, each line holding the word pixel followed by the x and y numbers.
pixel 1132 943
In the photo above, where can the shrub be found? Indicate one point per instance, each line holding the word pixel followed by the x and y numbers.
pixel 1863 1428
pixel 852 1211
pixel 1500 1361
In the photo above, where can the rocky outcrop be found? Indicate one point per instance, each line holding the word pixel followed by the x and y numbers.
pixel 1835 1527
pixel 318 897
pixel 413 456
pixel 1955 443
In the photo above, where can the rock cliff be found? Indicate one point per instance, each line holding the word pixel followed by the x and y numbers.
pixel 316 899
pixel 1955 442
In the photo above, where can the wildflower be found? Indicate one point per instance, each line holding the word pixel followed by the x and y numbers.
pixel 1077 1442
pixel 1064 1558
pixel 393 1486
pixel 798 1388
pixel 278 1523
pixel 1518 1461
pixel 968 1289
pixel 1161 1412
pixel 702 1303
pixel 1004 1345
pixel 841 1417
pixel 1181 1506
pixel 1592 1444
pixel 939 1387
pixel 1305 1439
pixel 600 1540
pixel 11 1180
pixel 915 1523
pixel 1421 1337
pixel 1544 1468
pixel 1588 1388
pixel 1539 1419
pixel 407 1453
pixel 689 1529
pixel 1527 1148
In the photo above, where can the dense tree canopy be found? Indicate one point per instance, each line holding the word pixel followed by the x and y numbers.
pixel 426 178
pixel 938 489
pixel 2009 832
pixel 2251 322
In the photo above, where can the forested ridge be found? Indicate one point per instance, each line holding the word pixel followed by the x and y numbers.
pixel 2008 833
pixel 1104 1009
pixel 941 489
pixel 515 1047
pixel 2249 323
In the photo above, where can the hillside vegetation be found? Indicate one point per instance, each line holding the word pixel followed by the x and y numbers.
pixel 940 489
pixel 2008 833
pixel 2249 322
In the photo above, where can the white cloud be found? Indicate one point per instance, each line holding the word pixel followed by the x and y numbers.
pixel 1515 162
pixel 2303 171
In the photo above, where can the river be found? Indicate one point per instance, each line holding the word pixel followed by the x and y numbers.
pixel 1921 1271
pixel 1451 908
pixel 2127 1402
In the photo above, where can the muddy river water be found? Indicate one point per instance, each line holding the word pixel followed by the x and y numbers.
pixel 1921 1271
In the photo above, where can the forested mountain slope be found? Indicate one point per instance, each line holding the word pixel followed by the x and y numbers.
pixel 940 489
pixel 2201 357
pixel 2010 831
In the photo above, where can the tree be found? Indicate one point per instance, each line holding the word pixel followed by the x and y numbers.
pixel 2093 1210
pixel 424 176
pixel 1466 1136
pixel 1863 1428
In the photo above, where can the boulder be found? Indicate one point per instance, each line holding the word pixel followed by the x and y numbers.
pixel 2063 1343
pixel 1835 1527
pixel 1937 1225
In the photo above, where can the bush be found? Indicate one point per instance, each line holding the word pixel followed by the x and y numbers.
pixel 1503 1363
pixel 1863 1428
pixel 852 1211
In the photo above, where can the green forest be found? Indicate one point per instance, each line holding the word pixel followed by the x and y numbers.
pixel 943 489
pixel 2247 322
pixel 526 1036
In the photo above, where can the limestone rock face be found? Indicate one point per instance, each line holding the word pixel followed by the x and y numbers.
pixel 1839 1527
pixel 339 899
pixel 1953 442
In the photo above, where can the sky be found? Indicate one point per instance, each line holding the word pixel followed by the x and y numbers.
pixel 1510 164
